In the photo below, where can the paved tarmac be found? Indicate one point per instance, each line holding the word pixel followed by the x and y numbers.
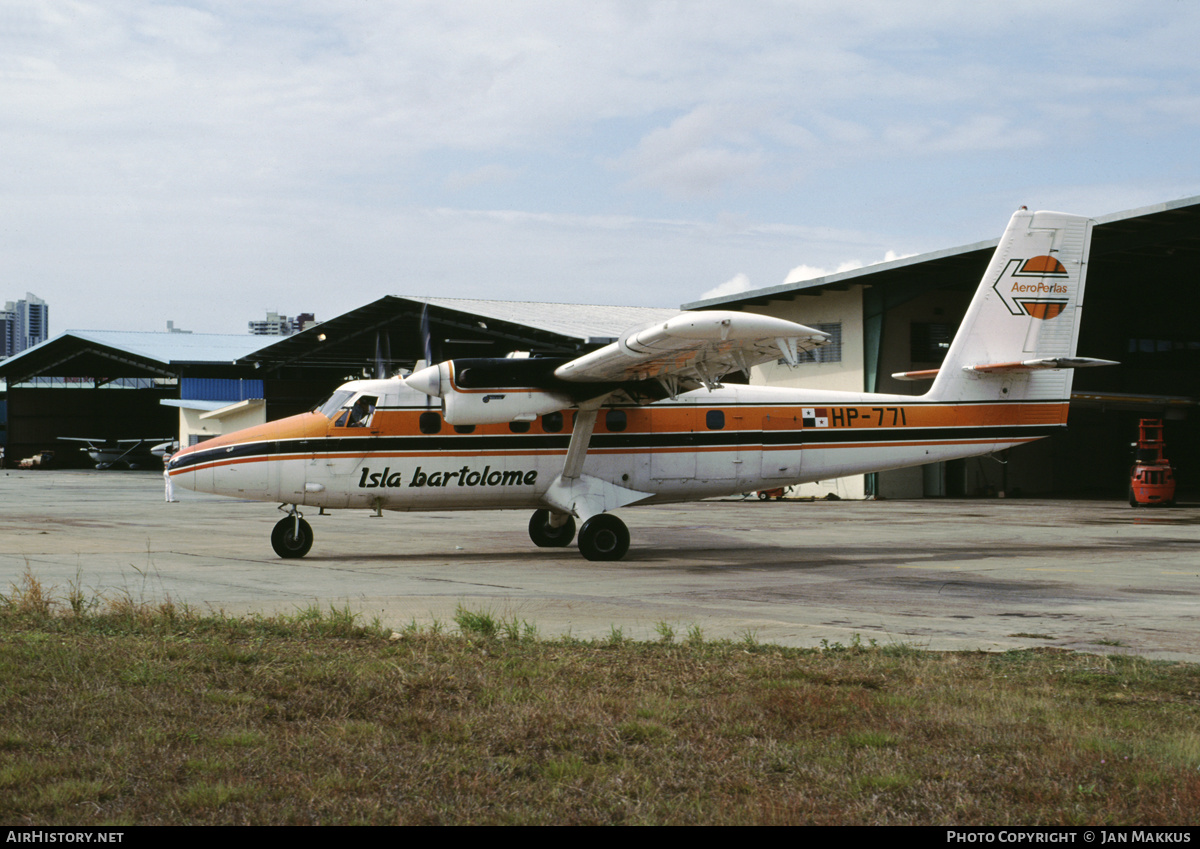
pixel 1092 576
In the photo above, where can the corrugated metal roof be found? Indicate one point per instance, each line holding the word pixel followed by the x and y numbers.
pixel 118 353
pixel 581 321
pixel 176 347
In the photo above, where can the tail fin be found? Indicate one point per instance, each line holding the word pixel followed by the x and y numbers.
pixel 1017 340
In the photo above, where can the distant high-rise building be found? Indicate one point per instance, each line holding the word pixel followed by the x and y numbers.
pixel 280 325
pixel 24 323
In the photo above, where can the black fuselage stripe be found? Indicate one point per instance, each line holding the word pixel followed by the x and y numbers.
pixel 700 440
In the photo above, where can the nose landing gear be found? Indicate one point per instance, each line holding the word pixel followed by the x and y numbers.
pixel 292 536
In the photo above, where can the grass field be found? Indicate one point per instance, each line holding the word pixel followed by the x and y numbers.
pixel 116 712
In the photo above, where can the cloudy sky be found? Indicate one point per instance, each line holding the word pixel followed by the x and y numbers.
pixel 205 162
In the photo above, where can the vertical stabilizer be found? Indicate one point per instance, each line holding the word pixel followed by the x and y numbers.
pixel 1028 307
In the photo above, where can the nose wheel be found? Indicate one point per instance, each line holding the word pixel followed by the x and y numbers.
pixel 292 537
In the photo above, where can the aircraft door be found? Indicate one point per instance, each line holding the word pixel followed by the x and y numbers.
pixel 744 462
pixel 348 441
pixel 289 469
pixel 331 464
pixel 675 460
pixel 781 454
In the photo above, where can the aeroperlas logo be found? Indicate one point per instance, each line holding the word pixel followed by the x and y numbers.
pixel 1037 287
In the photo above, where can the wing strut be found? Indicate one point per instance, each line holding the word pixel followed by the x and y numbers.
pixel 576 494
pixel 581 439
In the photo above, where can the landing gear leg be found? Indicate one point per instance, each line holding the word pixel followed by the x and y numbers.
pixel 293 536
pixel 603 537
pixel 545 535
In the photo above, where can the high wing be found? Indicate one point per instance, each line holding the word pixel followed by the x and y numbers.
pixel 693 347
pixel 682 353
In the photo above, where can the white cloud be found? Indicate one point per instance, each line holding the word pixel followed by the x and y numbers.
pixel 734 286
pixel 808 272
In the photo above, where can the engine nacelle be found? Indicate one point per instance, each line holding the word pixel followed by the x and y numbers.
pixel 485 391
pixel 501 405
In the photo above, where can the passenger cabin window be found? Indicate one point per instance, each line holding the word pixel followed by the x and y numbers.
pixel 615 420
pixel 552 422
pixel 715 419
pixel 519 427
pixel 464 428
pixel 430 422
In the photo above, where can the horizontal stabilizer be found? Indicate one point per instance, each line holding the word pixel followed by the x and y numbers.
pixel 1045 362
pixel 1019 366
pixel 923 374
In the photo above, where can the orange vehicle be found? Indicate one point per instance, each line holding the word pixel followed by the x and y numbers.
pixel 1151 481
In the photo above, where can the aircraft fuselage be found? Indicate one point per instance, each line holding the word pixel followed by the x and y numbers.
pixel 702 444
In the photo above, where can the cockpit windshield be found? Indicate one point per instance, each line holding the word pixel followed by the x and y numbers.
pixel 336 400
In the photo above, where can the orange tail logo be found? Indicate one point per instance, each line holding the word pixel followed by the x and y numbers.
pixel 1037 287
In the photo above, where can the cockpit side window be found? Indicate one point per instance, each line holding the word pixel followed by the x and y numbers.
pixel 359 413
pixel 336 400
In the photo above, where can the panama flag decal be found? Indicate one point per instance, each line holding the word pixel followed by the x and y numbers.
pixel 1036 287
pixel 815 416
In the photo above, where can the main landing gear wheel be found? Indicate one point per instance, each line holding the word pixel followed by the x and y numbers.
pixel 545 535
pixel 603 537
pixel 287 541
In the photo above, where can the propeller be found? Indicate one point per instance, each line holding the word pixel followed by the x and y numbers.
pixel 426 347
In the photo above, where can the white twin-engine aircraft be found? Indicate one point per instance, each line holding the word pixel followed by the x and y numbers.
pixel 646 419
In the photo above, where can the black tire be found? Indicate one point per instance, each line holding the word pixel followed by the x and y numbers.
pixel 603 537
pixel 546 536
pixel 287 543
pixel 764 496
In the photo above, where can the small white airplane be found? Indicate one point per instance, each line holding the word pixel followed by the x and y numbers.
pixel 646 419
pixel 132 453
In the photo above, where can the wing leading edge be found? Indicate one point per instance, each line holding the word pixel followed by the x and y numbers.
pixel 701 346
